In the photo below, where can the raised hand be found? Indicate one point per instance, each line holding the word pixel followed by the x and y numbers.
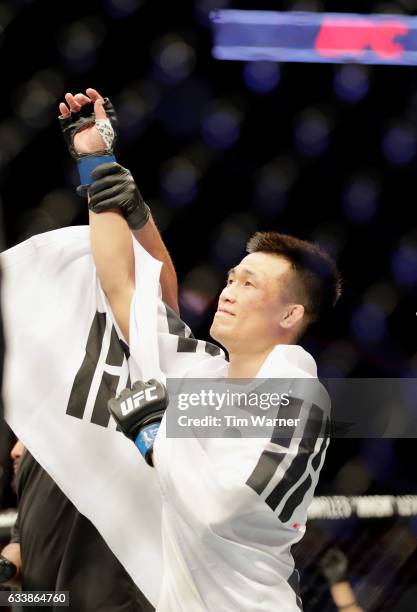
pixel 88 139
pixel 88 123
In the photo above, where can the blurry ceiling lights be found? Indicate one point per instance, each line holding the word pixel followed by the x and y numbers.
pixel 229 241
pixel 368 324
pixel 13 139
pixel 122 8
pixel 272 184
pixel 351 82
pixel 262 77
pixel 353 478
pixel 384 295
pixel 337 360
pixel 35 99
pixel 179 181
pixel 62 205
pixel 404 261
pixel 360 198
pixel 79 42
pixel 134 106
pixel 221 125
pixel 34 103
pixel 331 237
pixel 181 107
pixel 399 143
pixel 57 209
pixel 173 59
pixel 312 132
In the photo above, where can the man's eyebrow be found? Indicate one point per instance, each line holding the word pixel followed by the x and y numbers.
pixel 244 270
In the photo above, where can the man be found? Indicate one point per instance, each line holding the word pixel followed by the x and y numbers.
pixel 232 508
pixel 333 565
pixel 54 547
pixel 10 557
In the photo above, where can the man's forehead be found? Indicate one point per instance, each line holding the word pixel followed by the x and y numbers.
pixel 264 264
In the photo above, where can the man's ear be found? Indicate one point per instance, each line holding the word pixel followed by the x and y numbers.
pixel 292 315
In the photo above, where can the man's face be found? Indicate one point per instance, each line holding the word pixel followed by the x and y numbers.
pixel 252 304
pixel 16 454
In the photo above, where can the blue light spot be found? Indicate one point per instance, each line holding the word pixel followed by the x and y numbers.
pixel 368 324
pixel 261 77
pixel 360 199
pixel 221 128
pixel 312 133
pixel 351 83
pixel 399 145
pixel 404 265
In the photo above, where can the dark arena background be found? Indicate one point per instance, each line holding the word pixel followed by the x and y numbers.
pixel 220 149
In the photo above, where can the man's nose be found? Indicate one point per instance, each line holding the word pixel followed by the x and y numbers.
pixel 228 295
pixel 16 451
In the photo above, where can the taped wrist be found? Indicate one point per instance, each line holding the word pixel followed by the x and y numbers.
pixel 144 441
pixel 87 163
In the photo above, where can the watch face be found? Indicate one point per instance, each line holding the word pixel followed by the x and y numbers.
pixel 7 569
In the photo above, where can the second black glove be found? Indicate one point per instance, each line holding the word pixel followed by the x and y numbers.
pixel 139 411
pixel 114 187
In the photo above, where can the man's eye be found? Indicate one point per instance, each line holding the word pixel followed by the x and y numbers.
pixel 229 281
pixel 248 284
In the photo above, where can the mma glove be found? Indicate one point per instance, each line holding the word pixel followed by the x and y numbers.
pixel 7 569
pixel 333 566
pixel 114 187
pixel 78 121
pixel 139 411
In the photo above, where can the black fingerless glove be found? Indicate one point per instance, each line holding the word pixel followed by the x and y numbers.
pixel 78 121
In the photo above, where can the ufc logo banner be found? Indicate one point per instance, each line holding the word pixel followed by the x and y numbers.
pixel 355 37
pixel 314 37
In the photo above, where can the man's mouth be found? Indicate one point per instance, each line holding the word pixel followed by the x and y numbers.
pixel 224 311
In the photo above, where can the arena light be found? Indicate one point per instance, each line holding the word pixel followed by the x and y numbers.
pixel 314 37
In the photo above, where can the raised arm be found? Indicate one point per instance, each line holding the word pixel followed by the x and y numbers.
pixel 115 195
pixel 111 244
pixel 150 238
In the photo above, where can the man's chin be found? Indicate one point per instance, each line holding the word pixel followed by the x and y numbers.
pixel 220 335
pixel 212 332
pixel 215 332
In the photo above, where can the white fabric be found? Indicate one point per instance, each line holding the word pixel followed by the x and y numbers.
pixel 224 548
pixel 50 296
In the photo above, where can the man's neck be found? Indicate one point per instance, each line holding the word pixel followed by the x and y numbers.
pixel 246 364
